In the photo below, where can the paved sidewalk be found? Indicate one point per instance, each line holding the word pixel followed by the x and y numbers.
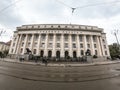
pixel 62 64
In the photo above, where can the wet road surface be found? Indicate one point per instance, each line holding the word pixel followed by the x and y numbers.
pixel 14 76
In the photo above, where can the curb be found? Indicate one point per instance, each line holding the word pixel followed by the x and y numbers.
pixel 62 65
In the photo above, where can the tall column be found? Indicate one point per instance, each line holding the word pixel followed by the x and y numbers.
pixel 101 45
pixel 46 45
pixel 38 45
pixel 62 45
pixel 11 47
pixel 78 46
pixel 16 44
pixel 85 43
pixel 54 46
pixel 25 43
pixel 99 48
pixel 70 46
pixel 19 43
pixel 32 42
pixel 92 46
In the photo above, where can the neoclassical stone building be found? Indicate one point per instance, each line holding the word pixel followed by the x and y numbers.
pixel 59 40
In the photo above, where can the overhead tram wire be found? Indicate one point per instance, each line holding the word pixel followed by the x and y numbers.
pixel 9 6
pixel 88 5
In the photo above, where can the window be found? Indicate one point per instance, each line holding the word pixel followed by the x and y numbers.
pixel 103 40
pixel 106 53
pixel 34 51
pixel 58 37
pixel 35 44
pixel 29 44
pixel 95 46
pixel 81 45
pixel 22 44
pixel 80 38
pixel 51 37
pixel 36 37
pixel 88 38
pixel 94 39
pixel 96 52
pixel 58 45
pixel 29 37
pixel 66 45
pixel 21 50
pixel 13 44
pixel 50 45
pixel 66 37
pixel 42 44
pixel 88 45
pixel 74 45
pixel 82 52
pixel 105 46
pixel 73 38
pixel 43 37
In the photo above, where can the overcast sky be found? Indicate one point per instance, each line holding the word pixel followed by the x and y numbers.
pixel 15 13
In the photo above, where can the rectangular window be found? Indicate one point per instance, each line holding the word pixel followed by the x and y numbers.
pixel 82 52
pixel 94 39
pixel 34 52
pixel 13 44
pixel 66 37
pixel 81 38
pixel 95 46
pixel 88 38
pixel 66 45
pixel 21 50
pixel 74 45
pixel 50 45
pixel 88 45
pixel 35 44
pixel 58 45
pixel 29 37
pixel 81 45
pixel 106 53
pixel 43 37
pixel 58 37
pixel 73 38
pixel 36 37
pixel 22 44
pixel 43 45
pixel 29 44
pixel 105 46
pixel 51 37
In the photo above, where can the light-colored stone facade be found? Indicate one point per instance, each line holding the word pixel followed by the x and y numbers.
pixel 4 46
pixel 59 40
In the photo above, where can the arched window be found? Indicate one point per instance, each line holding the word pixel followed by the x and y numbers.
pixel 58 54
pixel 50 54
pixel 41 53
pixel 66 54
pixel 74 54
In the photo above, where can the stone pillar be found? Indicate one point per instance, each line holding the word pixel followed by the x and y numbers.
pixel 54 46
pixel 85 44
pixel 16 44
pixel 25 43
pixel 70 46
pixel 62 46
pixel 38 45
pixel 78 46
pixel 99 48
pixel 46 45
pixel 32 41
pixel 92 46
pixel 19 43
pixel 102 48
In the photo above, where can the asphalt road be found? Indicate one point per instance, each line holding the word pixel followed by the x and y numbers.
pixel 14 76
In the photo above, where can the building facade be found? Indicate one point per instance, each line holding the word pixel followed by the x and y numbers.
pixel 4 46
pixel 59 40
